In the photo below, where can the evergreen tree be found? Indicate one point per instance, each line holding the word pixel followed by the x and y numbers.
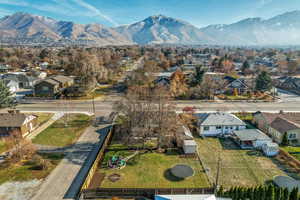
pixel 285 195
pixel 220 192
pixel 294 194
pixel 270 192
pixel 263 82
pixel 5 96
pixel 285 140
pixel 198 77
pixel 245 67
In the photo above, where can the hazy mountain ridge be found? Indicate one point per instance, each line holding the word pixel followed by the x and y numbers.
pixel 23 25
pixel 282 29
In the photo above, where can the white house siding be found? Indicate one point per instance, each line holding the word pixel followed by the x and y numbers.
pixel 213 131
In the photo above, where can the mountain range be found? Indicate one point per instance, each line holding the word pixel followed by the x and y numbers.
pixel 283 29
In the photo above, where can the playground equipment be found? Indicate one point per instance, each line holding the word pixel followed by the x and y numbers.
pixel 116 162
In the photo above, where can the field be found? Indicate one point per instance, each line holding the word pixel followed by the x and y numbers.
pixel 26 171
pixel 151 170
pixel 237 167
pixel 63 132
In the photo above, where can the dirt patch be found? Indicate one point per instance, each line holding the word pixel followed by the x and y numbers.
pixel 97 180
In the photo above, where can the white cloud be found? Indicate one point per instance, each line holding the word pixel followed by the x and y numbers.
pixel 95 11
pixel 4 12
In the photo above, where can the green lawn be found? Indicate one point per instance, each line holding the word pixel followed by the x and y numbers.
pixel 294 151
pixel 65 131
pixel 26 171
pixel 238 167
pixel 3 146
pixel 151 170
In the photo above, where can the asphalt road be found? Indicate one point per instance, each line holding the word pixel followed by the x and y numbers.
pixel 105 107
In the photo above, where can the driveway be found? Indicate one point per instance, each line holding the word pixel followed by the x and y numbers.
pixel 66 179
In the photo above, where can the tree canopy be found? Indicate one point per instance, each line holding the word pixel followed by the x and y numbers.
pixel 263 82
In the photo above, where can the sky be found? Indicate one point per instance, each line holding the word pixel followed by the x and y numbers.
pixel 119 12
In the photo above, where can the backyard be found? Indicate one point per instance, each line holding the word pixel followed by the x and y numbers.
pixel 63 132
pixel 28 170
pixel 152 170
pixel 237 167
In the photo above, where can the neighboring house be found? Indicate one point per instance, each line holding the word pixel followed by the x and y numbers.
pixel 162 81
pixel 12 85
pixel 281 126
pixel 285 122
pixel 52 86
pixel 23 80
pixel 263 120
pixel 16 121
pixel 219 123
pixel 250 138
pixel 64 81
pixel 239 85
pixel 289 83
pixel 4 68
pixel 47 87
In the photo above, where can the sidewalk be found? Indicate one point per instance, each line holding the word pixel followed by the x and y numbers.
pixel 66 179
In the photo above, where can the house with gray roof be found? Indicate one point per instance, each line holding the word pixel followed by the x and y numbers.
pixel 218 123
pixel 281 126
pixel 250 138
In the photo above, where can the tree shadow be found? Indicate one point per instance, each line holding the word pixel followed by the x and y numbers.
pixel 169 176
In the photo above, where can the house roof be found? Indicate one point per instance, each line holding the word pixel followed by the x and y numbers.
pixel 50 81
pixel 270 117
pixel 61 79
pixel 12 119
pixel 283 125
pixel 251 135
pixel 219 118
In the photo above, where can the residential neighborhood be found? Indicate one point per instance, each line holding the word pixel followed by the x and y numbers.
pixel 114 101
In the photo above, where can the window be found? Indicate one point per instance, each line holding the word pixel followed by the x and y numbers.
pixel 231 127
pixel 45 88
pixel 226 127
pixel 292 136
pixel 237 128
pixel 219 127
pixel 206 128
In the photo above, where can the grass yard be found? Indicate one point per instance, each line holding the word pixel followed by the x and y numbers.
pixel 64 132
pixel 43 117
pixel 294 151
pixel 26 171
pixel 3 146
pixel 151 170
pixel 238 167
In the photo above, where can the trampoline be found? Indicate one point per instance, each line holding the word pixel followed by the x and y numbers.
pixel 182 171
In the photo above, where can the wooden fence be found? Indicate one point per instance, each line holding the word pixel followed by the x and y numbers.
pixel 100 152
pixel 140 192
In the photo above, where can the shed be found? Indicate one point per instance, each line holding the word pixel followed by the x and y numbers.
pixel 286 182
pixel 270 149
pixel 189 146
